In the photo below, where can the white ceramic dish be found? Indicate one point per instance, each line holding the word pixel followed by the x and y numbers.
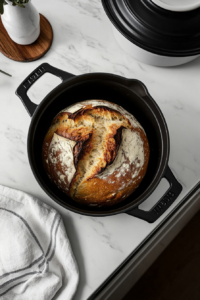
pixel 153 34
pixel 149 57
pixel 178 5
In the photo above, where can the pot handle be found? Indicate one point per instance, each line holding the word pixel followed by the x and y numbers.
pixel 163 204
pixel 138 87
pixel 21 91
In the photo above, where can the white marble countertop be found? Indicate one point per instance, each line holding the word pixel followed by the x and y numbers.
pixel 83 43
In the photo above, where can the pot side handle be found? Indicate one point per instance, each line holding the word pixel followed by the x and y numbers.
pixel 138 87
pixel 163 204
pixel 21 91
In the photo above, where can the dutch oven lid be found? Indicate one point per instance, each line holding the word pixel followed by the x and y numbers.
pixel 164 27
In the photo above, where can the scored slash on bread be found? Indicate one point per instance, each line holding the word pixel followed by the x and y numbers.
pixel 96 152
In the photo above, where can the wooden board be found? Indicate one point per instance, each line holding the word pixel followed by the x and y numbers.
pixel 26 53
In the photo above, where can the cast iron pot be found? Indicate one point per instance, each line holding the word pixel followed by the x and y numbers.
pixel 134 97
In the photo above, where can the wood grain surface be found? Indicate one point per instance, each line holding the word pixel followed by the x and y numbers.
pixel 175 275
pixel 27 53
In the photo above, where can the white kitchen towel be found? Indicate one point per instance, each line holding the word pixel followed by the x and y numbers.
pixel 36 260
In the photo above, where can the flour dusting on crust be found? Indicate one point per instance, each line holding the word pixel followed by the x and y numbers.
pixel 131 147
pixel 96 152
pixel 61 151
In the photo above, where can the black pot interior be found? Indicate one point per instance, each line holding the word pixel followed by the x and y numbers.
pixel 145 111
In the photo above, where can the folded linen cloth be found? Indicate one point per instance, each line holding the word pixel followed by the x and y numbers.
pixel 36 260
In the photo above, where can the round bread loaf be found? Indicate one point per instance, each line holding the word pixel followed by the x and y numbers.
pixel 96 152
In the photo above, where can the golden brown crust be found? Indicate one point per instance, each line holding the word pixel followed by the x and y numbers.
pixel 96 135
pixel 110 191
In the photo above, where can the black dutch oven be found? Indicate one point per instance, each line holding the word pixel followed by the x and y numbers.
pixel 134 97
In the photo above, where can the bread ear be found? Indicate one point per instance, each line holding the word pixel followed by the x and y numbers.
pixel 131 151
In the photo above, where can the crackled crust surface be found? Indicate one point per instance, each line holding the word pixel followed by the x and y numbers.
pixel 96 152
